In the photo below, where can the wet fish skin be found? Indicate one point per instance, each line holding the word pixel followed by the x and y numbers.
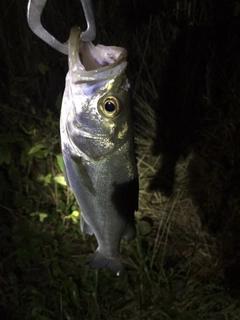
pixel 98 149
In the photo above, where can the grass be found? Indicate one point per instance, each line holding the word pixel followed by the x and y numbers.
pixel 48 278
pixel 184 263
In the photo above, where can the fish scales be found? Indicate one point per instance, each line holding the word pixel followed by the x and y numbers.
pixel 98 147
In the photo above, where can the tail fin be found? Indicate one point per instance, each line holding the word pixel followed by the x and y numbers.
pixel 115 265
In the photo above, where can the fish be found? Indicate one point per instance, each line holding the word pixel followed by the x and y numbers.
pixel 97 140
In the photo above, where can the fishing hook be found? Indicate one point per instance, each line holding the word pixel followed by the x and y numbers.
pixel 34 11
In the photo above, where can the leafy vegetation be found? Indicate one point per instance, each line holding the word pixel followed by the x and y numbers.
pixel 184 263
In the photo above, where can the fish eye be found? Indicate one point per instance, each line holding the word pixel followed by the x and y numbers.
pixel 110 107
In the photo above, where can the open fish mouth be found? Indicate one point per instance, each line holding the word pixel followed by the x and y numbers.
pixel 88 62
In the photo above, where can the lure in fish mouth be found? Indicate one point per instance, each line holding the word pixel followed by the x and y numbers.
pixel 98 147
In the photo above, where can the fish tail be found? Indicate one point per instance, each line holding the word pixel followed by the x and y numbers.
pixel 115 265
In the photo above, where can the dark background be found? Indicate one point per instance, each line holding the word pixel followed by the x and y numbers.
pixel 190 51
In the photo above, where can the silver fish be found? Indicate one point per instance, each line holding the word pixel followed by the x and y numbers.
pixel 98 147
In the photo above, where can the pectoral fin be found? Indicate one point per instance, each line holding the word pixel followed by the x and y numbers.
pixel 82 174
pixel 73 168
pixel 65 175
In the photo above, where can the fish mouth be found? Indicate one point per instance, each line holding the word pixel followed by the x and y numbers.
pixel 88 62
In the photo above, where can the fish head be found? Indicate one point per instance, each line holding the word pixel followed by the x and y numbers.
pixel 99 119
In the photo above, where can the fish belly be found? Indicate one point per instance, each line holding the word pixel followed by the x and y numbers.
pixel 107 193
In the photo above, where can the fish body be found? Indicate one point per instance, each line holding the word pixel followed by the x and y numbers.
pixel 98 147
